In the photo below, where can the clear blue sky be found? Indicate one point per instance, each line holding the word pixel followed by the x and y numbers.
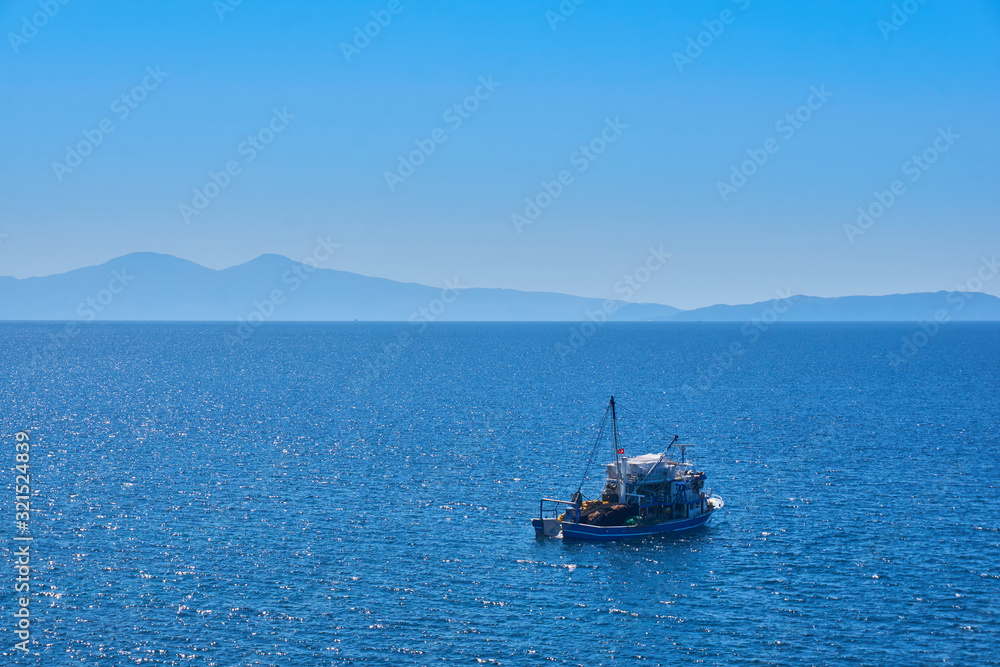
pixel 656 183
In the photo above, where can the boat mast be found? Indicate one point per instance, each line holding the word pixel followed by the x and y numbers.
pixel 614 431
pixel 614 425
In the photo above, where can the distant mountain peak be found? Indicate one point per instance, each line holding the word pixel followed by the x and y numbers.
pixel 157 286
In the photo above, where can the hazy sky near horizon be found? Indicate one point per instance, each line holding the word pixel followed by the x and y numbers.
pixel 116 113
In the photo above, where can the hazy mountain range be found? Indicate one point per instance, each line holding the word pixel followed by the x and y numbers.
pixel 150 286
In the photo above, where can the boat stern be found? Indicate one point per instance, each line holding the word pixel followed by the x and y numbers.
pixel 547 527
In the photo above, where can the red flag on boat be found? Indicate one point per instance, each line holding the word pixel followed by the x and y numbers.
pixel 621 451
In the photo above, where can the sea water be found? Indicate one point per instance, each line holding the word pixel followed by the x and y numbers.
pixel 314 494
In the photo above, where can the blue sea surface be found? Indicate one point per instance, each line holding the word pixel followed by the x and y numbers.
pixel 358 493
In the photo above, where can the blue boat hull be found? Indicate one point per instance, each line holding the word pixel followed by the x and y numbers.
pixel 583 531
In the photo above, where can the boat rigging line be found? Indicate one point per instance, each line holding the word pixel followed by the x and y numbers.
pixel 653 424
pixel 593 452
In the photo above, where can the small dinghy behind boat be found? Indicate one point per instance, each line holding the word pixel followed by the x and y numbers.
pixel 643 495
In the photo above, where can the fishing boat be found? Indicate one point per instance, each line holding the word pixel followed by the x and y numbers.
pixel 643 495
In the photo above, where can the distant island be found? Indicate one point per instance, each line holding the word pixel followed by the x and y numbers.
pixel 156 287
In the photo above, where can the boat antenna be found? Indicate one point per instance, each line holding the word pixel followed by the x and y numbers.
pixel 597 440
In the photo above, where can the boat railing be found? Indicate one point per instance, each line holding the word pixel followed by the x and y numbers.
pixel 552 510
pixel 635 499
